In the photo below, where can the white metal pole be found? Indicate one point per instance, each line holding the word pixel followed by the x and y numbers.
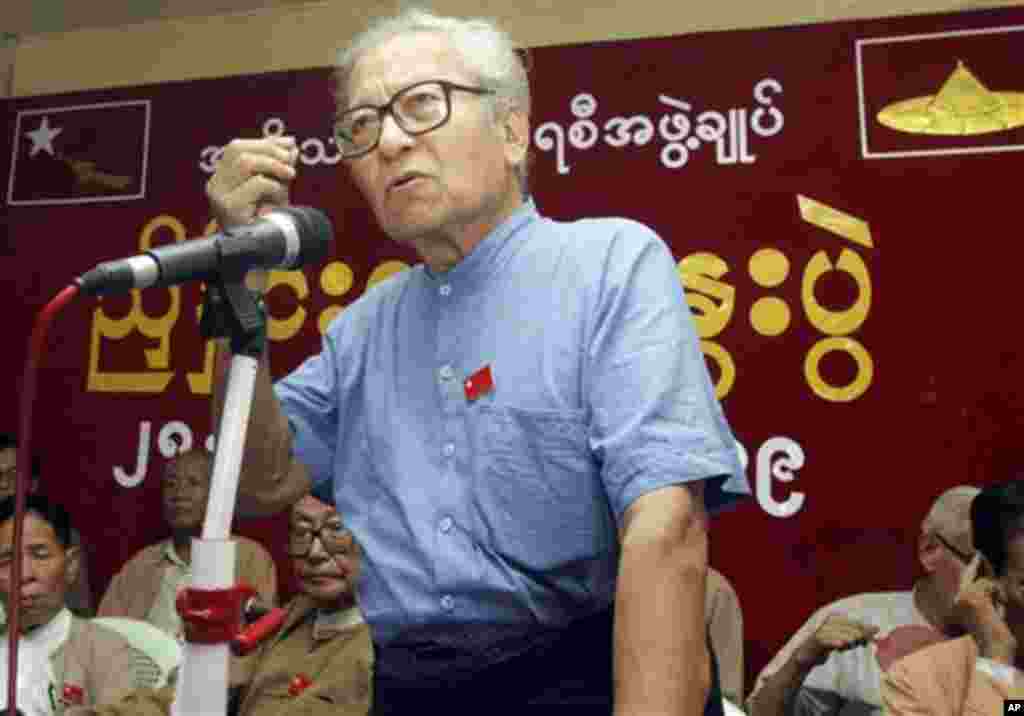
pixel 203 677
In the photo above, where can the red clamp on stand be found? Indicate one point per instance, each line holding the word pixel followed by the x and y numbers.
pixel 298 684
pixel 265 624
pixel 212 616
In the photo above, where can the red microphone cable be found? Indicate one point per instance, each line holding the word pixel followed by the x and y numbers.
pixel 36 344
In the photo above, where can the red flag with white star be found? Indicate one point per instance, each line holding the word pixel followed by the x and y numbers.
pixel 79 154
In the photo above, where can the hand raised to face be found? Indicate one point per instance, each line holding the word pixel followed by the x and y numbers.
pixel 980 607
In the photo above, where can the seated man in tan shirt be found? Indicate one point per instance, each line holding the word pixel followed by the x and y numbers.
pixel 972 675
pixel 63 660
pixel 320 662
pixel 147 585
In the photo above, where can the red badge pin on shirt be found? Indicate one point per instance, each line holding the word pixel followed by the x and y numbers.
pixel 72 695
pixel 480 383
pixel 298 684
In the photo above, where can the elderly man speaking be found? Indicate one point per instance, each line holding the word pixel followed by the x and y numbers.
pixel 521 430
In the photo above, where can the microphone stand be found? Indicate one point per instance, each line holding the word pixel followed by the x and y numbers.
pixel 211 607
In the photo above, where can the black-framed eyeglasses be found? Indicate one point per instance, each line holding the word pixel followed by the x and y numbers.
pixel 417 109
pixel 964 557
pixel 334 538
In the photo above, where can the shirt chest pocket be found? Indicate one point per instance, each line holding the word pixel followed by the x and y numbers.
pixel 538 489
pixel 352 696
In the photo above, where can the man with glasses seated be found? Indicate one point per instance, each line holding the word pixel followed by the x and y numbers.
pixel 320 662
pixel 977 673
pixel 834 663
pixel 520 431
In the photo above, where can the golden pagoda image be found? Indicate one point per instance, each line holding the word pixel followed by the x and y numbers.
pixel 962 107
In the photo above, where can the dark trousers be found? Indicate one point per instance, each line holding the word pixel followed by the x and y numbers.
pixel 573 668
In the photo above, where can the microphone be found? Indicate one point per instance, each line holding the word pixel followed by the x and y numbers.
pixel 287 237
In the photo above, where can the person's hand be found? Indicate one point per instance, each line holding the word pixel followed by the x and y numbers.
pixel 836 633
pixel 251 174
pixel 979 609
pixel 904 640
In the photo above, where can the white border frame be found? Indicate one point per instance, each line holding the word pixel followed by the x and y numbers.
pixel 865 151
pixel 85 199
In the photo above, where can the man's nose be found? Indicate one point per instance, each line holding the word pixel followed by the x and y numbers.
pixel 393 138
pixel 178 490
pixel 317 553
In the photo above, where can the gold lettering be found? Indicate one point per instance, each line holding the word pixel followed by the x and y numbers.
pixel 726 367
pixel 284 328
pixel 385 271
pixel 699 273
pixel 837 323
pixel 845 393
pixel 833 220
pixel 153 327
pixel 335 280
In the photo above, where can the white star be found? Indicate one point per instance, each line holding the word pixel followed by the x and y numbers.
pixel 42 138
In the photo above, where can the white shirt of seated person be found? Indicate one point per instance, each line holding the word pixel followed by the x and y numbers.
pixel 35 670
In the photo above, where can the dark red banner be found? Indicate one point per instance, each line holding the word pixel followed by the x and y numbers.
pixel 843 201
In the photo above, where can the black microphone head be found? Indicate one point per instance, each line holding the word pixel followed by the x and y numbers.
pixel 315 234
pixel 113 277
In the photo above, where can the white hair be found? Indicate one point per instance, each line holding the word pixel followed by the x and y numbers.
pixel 487 52
pixel 950 517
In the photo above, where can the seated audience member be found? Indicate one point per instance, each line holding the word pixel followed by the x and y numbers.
pixel 79 599
pixel 147 585
pixel 972 675
pixel 62 660
pixel 725 628
pixel 834 663
pixel 321 660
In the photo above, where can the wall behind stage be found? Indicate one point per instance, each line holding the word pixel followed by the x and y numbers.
pixel 853 283
pixel 126 43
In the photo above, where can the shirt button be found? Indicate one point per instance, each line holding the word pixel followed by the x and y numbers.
pixel 446 524
pixel 445 289
pixel 449 449
pixel 447 373
pixel 447 603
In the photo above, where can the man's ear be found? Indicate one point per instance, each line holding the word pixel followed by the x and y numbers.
pixel 72 564
pixel 928 549
pixel 516 128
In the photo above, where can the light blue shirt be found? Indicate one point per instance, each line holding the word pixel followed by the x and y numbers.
pixel 504 509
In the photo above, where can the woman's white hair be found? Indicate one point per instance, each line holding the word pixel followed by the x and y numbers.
pixel 487 53
pixel 950 517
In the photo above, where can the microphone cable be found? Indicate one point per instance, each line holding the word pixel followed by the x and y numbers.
pixel 37 342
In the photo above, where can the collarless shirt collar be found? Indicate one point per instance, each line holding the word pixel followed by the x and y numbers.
pixel 489 255
pixel 329 623
pixel 171 555
pixel 51 635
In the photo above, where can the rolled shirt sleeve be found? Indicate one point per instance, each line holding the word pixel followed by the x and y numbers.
pixel 655 418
